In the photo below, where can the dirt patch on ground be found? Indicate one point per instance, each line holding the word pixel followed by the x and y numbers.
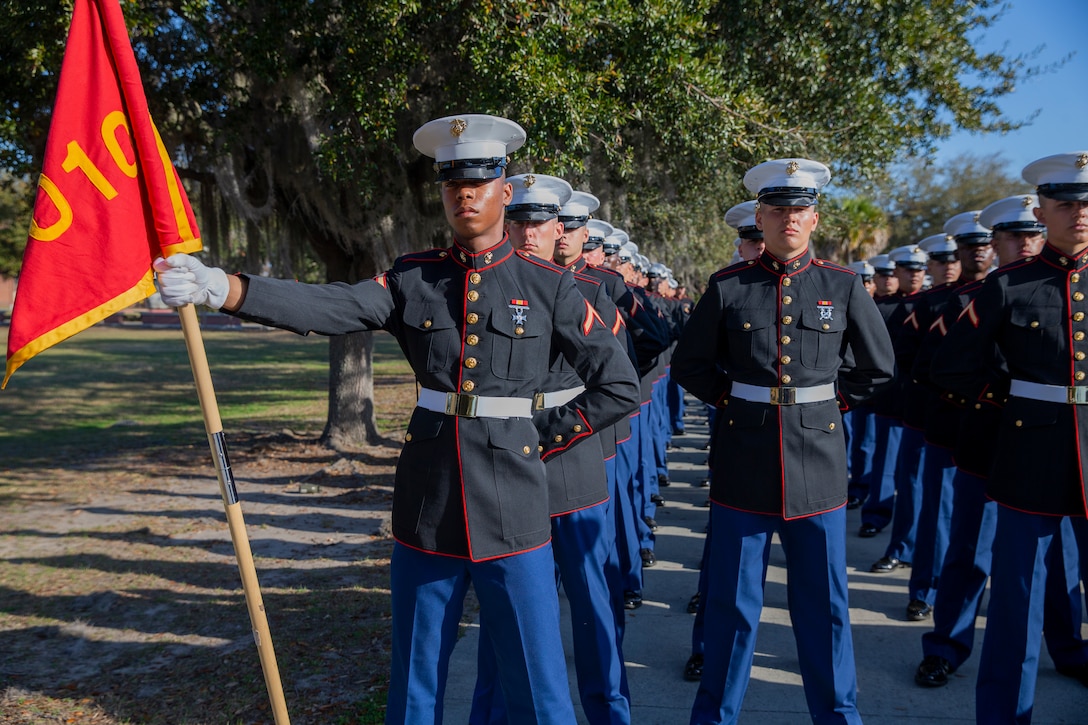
pixel 120 598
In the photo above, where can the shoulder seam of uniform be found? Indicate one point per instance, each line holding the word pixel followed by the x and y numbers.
pixel 826 264
pixel 587 278
pixel 542 263
pixel 429 255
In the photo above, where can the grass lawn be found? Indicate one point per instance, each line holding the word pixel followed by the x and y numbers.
pixel 120 600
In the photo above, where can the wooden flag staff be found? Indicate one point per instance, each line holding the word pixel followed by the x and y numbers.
pixel 190 327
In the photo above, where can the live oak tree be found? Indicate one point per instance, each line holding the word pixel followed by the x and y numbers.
pixel 292 121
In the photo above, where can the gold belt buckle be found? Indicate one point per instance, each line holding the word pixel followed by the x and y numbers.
pixel 462 404
pixel 1077 394
pixel 538 401
pixel 783 396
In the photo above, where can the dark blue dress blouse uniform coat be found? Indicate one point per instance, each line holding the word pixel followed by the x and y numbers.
pixel 487 323
pixel 769 323
pixel 576 479
pixel 1035 312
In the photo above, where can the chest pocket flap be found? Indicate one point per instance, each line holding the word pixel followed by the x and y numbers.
pixel 748 319
pixel 518 346
pixel 431 335
pixel 822 321
pixel 1035 317
pixel 428 316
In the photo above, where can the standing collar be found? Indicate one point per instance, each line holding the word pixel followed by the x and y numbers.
pixel 1056 258
pixel 483 259
pixel 776 266
pixel 578 264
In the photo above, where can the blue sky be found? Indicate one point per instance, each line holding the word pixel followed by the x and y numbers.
pixel 1061 97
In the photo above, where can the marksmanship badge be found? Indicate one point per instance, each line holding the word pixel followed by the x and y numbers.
pixel 826 308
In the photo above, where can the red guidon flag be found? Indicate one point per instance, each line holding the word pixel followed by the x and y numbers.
pixel 109 199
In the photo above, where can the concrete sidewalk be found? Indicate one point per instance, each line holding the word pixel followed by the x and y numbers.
pixel 887 646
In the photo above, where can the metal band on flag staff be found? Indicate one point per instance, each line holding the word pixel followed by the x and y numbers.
pixel 110 197
pixel 213 425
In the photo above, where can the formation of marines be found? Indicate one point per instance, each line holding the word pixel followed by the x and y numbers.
pixel 552 359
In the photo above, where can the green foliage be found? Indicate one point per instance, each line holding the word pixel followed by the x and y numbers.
pixel 299 115
pixel 921 197
pixel 16 199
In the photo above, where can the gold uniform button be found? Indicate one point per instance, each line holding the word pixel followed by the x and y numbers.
pixel 1079 356
pixel 826 326
pixel 787 379
pixel 989 396
pixel 1078 296
pixel 786 340
pixel 787 320
pixel 1078 316
pixel 1079 375
pixel 978 406
pixel 519 330
pixel 831 426
pixel 408 437
pixel 1034 323
pixel 730 422
pixel 787 300
pixel 473 296
pixel 427 324
pixel 558 439
pixel 1019 424
pixel 474 278
pixel 468 386
pixel 470 362
pixel 1078 336
pixel 787 282
pixel 526 450
pixel 1074 278
pixel 472 340
pixel 786 359
pixel 747 325
pixel 540 449
pixel 472 318
pixel 577 429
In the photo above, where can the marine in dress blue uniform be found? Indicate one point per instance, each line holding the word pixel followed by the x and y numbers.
pixel 778 345
pixel 1033 312
pixel 646 338
pixel 860 427
pixel 1017 234
pixel 582 532
pixel 479 323
pixel 749 245
pixel 938 417
pixel 905 451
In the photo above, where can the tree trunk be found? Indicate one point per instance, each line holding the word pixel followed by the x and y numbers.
pixel 351 423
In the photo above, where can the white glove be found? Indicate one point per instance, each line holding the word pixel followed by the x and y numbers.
pixel 183 279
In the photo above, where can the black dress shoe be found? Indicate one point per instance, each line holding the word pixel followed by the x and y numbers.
pixel 631 600
pixel 679 432
pixel 704 483
pixel 918 610
pixel 868 531
pixel 1077 672
pixel 652 523
pixel 657 499
pixel 663 480
pixel 933 672
pixel 648 557
pixel 693 670
pixel 886 564
pixel 693 605
pixel 853 502
pixel 706 504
